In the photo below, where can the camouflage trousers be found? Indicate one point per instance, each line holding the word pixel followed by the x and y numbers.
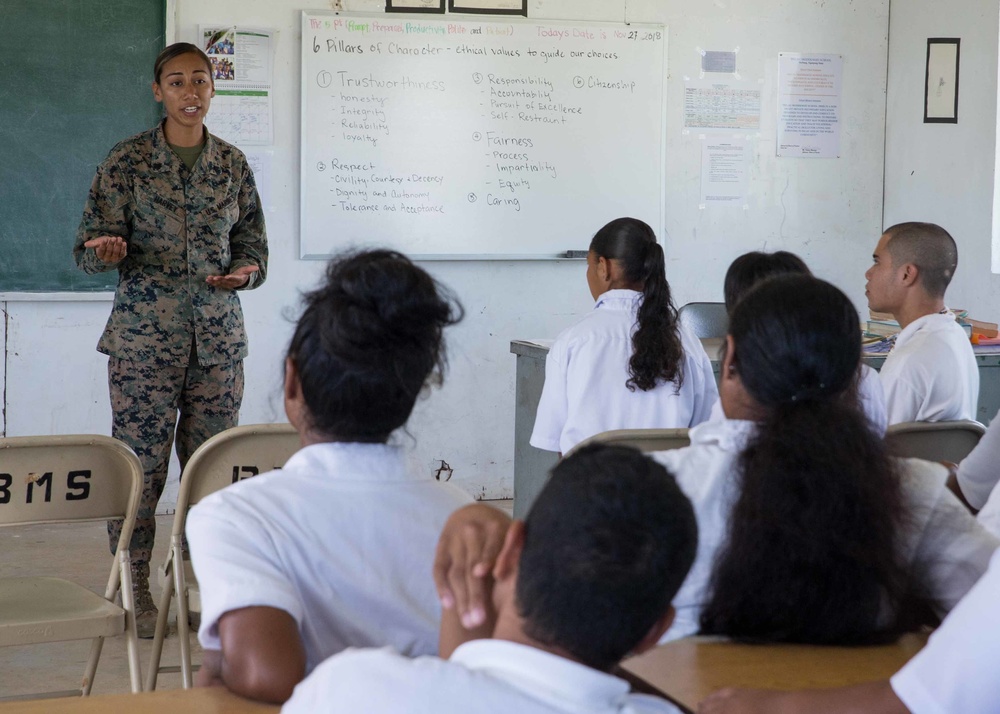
pixel 145 402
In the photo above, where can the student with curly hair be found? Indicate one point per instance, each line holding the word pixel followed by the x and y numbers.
pixel 629 364
pixel 335 549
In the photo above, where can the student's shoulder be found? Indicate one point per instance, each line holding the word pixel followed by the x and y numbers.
pixel 373 680
pixel 595 326
pixel 646 704
pixel 246 496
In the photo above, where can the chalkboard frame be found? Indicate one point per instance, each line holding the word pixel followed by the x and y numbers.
pixel 570 252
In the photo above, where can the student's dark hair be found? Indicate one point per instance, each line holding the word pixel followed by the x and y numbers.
pixel 750 268
pixel 812 552
pixel 176 50
pixel 368 341
pixel 657 352
pixel 928 246
pixel 608 543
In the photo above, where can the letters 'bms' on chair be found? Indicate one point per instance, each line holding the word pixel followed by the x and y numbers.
pixel 233 455
pixel 66 479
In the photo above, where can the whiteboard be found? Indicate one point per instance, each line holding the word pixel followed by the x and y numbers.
pixel 474 139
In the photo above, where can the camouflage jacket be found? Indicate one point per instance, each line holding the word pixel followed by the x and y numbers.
pixel 181 226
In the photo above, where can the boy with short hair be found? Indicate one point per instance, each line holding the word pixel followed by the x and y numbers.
pixel 931 372
pixel 584 581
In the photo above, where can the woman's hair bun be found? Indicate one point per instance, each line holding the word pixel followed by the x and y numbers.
pixel 368 340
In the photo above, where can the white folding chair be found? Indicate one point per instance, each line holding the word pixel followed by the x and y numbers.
pixel 706 319
pixel 233 455
pixel 934 440
pixel 644 440
pixel 68 479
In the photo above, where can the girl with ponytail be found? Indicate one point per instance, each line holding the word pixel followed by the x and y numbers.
pixel 335 549
pixel 629 364
pixel 808 530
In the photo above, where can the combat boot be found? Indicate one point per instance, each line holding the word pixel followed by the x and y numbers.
pixel 145 608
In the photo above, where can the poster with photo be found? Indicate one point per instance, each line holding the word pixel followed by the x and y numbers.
pixel 242 60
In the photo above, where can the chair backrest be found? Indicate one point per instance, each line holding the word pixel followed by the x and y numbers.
pixel 644 440
pixel 934 441
pixel 56 479
pixel 706 319
pixel 231 456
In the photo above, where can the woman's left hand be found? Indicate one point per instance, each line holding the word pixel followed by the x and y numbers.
pixel 236 279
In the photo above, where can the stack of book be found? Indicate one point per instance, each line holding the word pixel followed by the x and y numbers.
pixel 882 325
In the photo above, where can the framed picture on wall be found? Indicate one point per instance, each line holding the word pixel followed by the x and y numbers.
pixel 415 6
pixel 941 82
pixel 493 7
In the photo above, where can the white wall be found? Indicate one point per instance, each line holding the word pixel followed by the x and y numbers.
pixel 943 173
pixel 827 210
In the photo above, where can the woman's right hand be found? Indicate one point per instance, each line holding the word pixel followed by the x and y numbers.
pixel 110 249
pixel 467 551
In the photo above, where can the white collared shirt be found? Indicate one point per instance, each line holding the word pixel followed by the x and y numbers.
pixel 931 372
pixel 944 544
pixel 979 472
pixel 482 677
pixel 342 539
pixel 585 375
pixel 958 669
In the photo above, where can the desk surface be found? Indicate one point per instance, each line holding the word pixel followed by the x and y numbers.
pixel 213 700
pixel 690 669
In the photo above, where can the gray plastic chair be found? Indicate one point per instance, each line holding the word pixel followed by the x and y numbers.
pixel 644 440
pixel 934 441
pixel 228 457
pixel 67 479
pixel 706 319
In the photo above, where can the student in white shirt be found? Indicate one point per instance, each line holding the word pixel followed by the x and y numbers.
pixel 629 364
pixel 751 268
pixel 931 372
pixel 957 672
pixel 334 550
pixel 979 472
pixel 585 580
pixel 808 530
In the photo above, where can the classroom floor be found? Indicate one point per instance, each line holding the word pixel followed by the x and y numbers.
pixel 80 552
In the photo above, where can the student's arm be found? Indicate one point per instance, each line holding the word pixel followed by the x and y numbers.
pixel 466 553
pixel 873 698
pixel 978 473
pixel 954 486
pixel 262 655
pixel 952 550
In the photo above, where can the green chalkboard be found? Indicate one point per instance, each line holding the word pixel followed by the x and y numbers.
pixel 75 79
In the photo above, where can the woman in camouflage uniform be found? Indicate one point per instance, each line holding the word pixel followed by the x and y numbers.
pixel 175 210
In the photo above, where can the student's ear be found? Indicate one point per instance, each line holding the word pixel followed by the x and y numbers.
pixel 909 275
pixel 510 552
pixel 652 638
pixel 604 268
pixel 294 400
pixel 728 370
pixel 157 94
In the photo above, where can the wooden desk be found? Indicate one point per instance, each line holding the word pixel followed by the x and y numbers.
pixel 531 465
pixel 689 670
pixel 214 700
